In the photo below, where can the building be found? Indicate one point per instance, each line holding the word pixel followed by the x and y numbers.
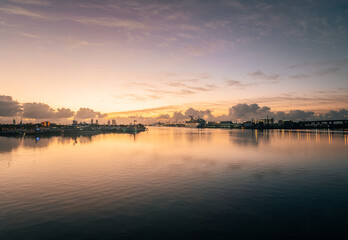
pixel 113 122
pixel 212 125
pixel 92 121
pixel 96 122
pixel 195 122
pixel 74 122
pixel 45 124
pixel 248 124
pixel 14 121
pixel 226 124
pixel 265 121
pixel 109 122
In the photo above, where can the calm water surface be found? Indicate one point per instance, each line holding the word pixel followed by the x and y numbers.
pixel 176 183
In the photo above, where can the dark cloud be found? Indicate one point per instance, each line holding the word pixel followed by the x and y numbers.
pixel 295 115
pixel 244 112
pixel 9 107
pixel 163 117
pixel 247 111
pixel 207 114
pixel 37 111
pixel 177 116
pixel 85 113
pixel 239 112
pixel 44 111
pixel 64 113
pixel 341 114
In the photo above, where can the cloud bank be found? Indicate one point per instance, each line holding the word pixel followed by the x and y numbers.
pixel 10 108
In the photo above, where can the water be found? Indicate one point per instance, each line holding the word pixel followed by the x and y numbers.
pixel 176 183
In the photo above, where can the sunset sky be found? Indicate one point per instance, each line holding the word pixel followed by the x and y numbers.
pixel 166 56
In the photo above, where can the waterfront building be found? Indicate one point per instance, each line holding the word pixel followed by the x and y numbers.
pixel 265 121
pixel 113 122
pixel 247 124
pixel 45 124
pixel 92 121
pixel 226 124
pixel 96 122
pixel 195 122
pixel 14 121
pixel 212 125
pixel 109 122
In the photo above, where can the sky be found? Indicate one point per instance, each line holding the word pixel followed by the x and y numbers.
pixel 115 59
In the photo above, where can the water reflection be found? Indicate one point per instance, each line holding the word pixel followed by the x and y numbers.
pixel 7 144
pixel 247 138
pixel 163 183
pixel 255 137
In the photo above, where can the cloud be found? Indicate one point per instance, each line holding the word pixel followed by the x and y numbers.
pixel 28 35
pixel 339 62
pixel 241 112
pixel 264 76
pixel 322 68
pixel 85 113
pixel 247 111
pixel 37 111
pixel 234 83
pixel 327 71
pixel 178 116
pixel 341 114
pixel 111 22
pixel 233 4
pixel 144 111
pixel 32 2
pixel 14 10
pixel 9 107
pixel 44 111
pixel 299 76
pixel 64 113
pixel 72 43
pixel 163 117
pixel 207 114
pixel 295 115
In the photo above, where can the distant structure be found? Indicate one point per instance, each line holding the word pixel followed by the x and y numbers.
pixel 21 122
pixel 92 121
pixel 96 122
pixel 195 122
pixel 113 122
pixel 74 122
pixel 226 124
pixel 109 122
pixel 45 124
pixel 264 121
pixel 14 121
